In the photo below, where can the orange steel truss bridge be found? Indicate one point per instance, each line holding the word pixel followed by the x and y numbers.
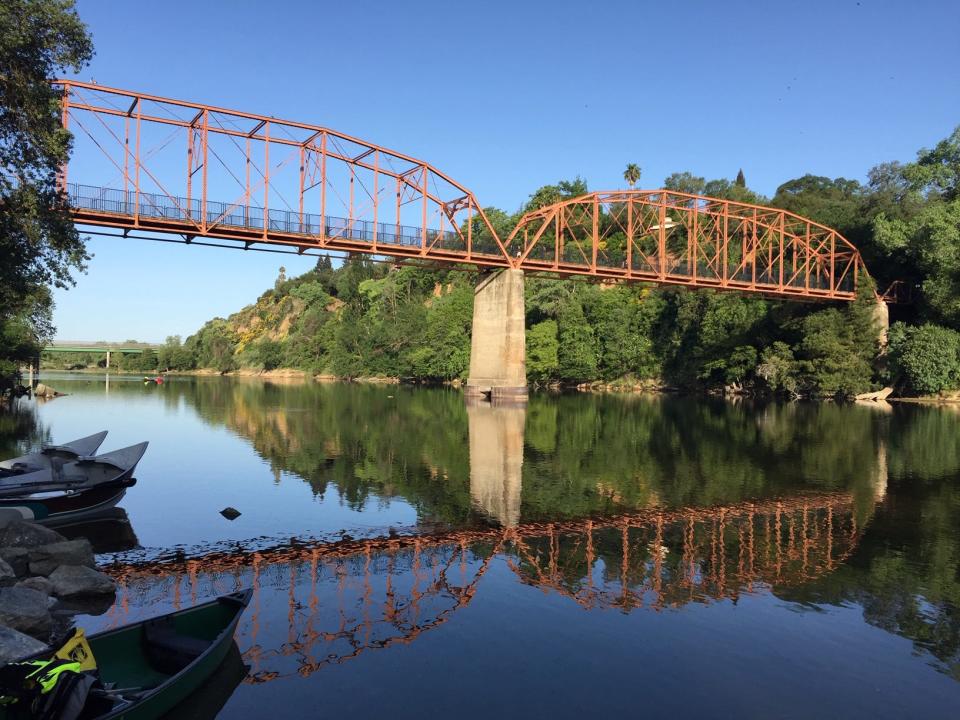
pixel 190 173
pixel 354 596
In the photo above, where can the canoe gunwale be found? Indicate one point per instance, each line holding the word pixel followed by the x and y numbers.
pixel 240 599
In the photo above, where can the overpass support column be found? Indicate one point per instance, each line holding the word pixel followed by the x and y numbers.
pixel 498 352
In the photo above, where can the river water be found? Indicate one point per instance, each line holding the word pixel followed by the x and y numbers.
pixel 587 554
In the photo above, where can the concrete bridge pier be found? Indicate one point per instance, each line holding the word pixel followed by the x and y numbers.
pixel 881 318
pixel 496 458
pixel 498 352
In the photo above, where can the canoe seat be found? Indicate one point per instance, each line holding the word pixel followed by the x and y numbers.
pixel 167 650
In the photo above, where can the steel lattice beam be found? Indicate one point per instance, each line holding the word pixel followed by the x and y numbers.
pixel 312 188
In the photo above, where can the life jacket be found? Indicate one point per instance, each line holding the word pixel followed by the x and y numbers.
pixel 56 687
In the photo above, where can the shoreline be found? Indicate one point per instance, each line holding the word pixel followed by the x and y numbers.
pixel 622 387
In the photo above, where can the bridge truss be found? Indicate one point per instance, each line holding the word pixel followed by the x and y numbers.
pixel 189 171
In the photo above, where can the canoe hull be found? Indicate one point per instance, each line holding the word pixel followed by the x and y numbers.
pixel 179 687
pixel 64 508
pixel 122 660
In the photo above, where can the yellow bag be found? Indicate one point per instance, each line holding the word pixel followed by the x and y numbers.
pixel 77 649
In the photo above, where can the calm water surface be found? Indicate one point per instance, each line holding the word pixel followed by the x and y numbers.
pixel 412 555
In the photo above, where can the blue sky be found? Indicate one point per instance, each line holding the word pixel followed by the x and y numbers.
pixel 505 97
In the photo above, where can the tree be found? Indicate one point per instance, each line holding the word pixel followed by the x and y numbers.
pixel 741 181
pixel 39 39
pixel 632 174
pixel 576 355
pixel 542 347
pixel 926 239
pixel 685 182
pixel 927 357
pixel 550 194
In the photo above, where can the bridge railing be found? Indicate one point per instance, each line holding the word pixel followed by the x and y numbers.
pixel 113 201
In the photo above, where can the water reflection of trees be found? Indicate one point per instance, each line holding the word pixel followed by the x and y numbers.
pixel 322 604
pixel 583 455
pixel 20 428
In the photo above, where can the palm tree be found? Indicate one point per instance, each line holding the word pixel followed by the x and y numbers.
pixel 632 174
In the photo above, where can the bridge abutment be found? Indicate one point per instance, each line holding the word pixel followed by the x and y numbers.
pixel 498 352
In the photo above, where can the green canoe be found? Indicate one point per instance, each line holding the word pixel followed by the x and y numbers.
pixel 155 664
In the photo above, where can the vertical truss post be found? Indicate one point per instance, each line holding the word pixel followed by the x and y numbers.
pixel 189 171
pixel 783 233
pixel 630 235
pixel 246 190
pixel 806 262
pixel 266 179
pixel 469 228
pixel 558 229
pixel 126 158
pixel 662 239
pixel 203 178
pixel 136 172
pixel 423 224
pixel 833 262
pixel 725 245
pixel 65 121
pixel 695 242
pixel 755 251
pixel 350 207
pixel 596 233
pixel 302 171
pixel 323 185
pixel 376 196
pixel 399 237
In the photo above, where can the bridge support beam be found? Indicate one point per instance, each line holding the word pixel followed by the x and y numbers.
pixel 881 319
pixel 498 352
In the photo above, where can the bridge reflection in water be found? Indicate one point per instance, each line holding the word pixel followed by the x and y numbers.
pixel 325 603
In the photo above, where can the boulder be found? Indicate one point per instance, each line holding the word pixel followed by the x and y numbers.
pixel 7 574
pixel 18 558
pixel 21 533
pixel 47 558
pixel 9 515
pixel 40 584
pixel 26 610
pixel 15 645
pixel 72 581
pixel 45 391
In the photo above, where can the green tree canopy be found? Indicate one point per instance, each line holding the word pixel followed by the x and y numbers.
pixel 39 39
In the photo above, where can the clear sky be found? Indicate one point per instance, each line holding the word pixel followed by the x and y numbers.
pixel 507 96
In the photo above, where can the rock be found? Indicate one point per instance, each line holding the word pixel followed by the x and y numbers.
pixel 71 581
pixel 18 558
pixel 45 391
pixel 15 645
pixel 875 396
pixel 47 558
pixel 21 533
pixel 230 513
pixel 40 584
pixel 25 610
pixel 66 608
pixel 9 515
pixel 7 574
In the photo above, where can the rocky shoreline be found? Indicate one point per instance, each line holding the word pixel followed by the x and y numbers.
pixel 45 580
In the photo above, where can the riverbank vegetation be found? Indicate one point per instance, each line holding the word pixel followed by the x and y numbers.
pixel 39 245
pixel 369 319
